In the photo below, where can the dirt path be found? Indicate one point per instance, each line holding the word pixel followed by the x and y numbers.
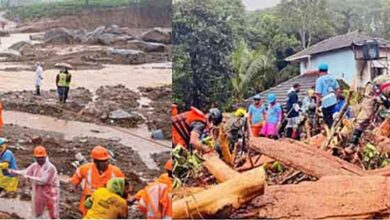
pixel 134 138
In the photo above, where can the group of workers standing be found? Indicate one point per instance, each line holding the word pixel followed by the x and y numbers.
pixel 105 190
pixel 324 100
pixel 63 80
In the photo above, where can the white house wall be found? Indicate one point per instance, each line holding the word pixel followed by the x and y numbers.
pixel 341 64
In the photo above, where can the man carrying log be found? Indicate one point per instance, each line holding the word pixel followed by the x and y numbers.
pixel 188 127
pixel 376 93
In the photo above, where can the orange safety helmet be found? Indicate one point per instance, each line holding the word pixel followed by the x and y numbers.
pixel 169 165
pixel 40 151
pixel 100 153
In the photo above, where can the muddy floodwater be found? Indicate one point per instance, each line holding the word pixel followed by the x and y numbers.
pixel 131 76
pixel 137 138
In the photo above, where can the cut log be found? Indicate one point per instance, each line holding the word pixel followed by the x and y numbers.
pixel 233 194
pixel 329 197
pixel 311 161
pixel 182 192
pixel 385 171
pixel 219 169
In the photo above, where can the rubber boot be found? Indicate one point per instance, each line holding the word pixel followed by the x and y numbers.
pixel 354 141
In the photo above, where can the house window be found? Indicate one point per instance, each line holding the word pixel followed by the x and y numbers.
pixel 376 72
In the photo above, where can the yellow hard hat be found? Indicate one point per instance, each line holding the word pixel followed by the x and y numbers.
pixel 241 112
pixel 310 92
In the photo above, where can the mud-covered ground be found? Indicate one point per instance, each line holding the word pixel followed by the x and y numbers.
pixel 159 116
pixel 80 106
pixel 98 108
pixel 62 153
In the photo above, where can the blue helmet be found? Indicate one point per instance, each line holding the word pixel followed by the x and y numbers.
pixel 257 97
pixel 323 67
pixel 271 97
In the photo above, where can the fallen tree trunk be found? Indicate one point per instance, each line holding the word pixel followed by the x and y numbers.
pixel 329 197
pixel 231 194
pixel 219 169
pixel 385 171
pixel 312 161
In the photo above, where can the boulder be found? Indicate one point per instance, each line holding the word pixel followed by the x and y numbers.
pixel 39 37
pixel 157 35
pixel 113 29
pixel 119 114
pixel 18 46
pixel 111 39
pixel 59 36
pixel 127 53
pixel 10 54
pixel 146 46
pixel 4 34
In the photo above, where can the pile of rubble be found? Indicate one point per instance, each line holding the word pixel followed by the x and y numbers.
pixel 116 46
pixel 115 105
pixel 160 112
pixel 288 179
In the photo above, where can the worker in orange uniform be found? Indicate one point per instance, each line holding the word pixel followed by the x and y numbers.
pixel 1 118
pixel 155 200
pixel 94 175
pixel 188 127
pixel 174 110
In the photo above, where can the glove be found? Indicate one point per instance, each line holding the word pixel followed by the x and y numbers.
pixel 4 165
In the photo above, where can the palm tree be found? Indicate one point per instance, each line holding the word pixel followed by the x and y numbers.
pixel 249 66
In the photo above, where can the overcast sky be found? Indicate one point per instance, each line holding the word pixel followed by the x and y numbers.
pixel 252 5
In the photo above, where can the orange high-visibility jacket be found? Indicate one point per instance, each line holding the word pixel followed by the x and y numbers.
pixel 155 200
pixel 88 175
pixel 181 126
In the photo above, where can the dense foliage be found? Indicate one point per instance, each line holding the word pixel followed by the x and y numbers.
pixel 223 54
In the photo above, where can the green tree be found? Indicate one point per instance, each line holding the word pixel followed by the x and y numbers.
pixel 309 19
pixel 249 66
pixel 204 36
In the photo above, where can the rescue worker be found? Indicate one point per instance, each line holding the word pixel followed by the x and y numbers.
pixel 309 110
pixel 174 110
pixel 155 200
pixel 8 181
pixel 188 127
pixel 38 78
pixel 327 90
pixel 109 202
pixel 293 118
pixel 1 118
pixel 235 127
pixel 45 184
pixel 256 116
pixel 273 118
pixel 63 82
pixel 94 175
pixel 376 94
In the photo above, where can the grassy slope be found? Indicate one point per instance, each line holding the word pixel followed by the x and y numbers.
pixel 70 7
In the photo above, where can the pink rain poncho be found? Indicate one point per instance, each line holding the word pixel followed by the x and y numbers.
pixel 45 188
